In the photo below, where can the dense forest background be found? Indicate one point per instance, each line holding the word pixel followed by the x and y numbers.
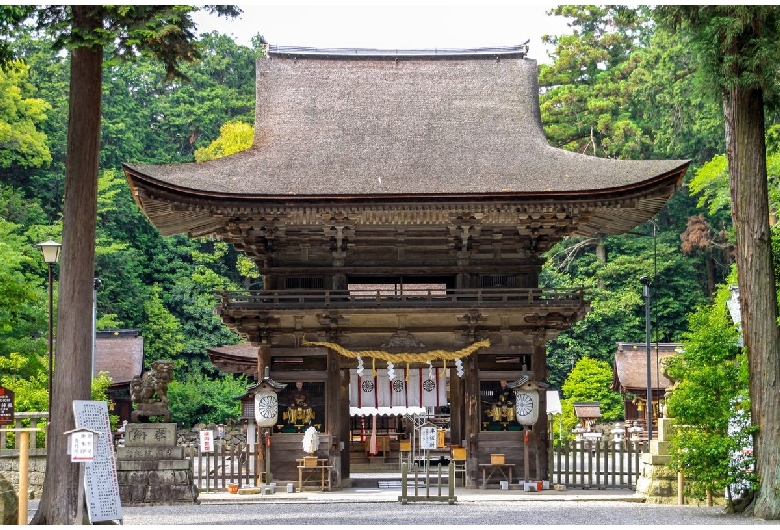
pixel 618 87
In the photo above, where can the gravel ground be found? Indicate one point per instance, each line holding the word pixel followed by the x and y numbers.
pixel 419 513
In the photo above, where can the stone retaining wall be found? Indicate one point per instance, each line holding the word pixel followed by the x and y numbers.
pixel 9 469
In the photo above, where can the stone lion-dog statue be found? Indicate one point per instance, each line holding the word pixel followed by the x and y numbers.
pixel 149 392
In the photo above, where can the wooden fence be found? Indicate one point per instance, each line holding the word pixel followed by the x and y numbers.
pixel 236 464
pixel 602 464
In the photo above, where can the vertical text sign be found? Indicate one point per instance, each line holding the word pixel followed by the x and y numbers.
pixel 206 441
pixel 81 447
pixel 427 438
pixel 100 480
pixel 6 406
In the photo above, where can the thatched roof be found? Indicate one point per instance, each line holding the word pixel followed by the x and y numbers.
pixel 630 366
pixel 120 353
pixel 392 125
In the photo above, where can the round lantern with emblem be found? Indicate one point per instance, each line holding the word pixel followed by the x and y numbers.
pixel 526 400
pixel 267 401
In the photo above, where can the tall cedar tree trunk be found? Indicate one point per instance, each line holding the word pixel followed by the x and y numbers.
pixel 746 151
pixel 72 373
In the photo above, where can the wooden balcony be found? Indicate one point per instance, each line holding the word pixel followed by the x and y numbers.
pixel 297 300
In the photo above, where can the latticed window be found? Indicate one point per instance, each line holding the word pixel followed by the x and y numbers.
pixel 304 283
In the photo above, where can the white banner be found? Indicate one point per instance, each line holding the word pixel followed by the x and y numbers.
pixel 425 387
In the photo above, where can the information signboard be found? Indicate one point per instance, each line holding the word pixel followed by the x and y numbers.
pixel 82 446
pixel 206 441
pixel 428 438
pixel 6 406
pixel 100 479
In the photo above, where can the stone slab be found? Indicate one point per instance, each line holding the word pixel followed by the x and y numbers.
pixel 656 460
pixel 666 429
pixel 150 434
pixel 152 465
pixel 148 452
pixel 660 447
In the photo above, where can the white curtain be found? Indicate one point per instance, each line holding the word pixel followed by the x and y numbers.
pixel 425 388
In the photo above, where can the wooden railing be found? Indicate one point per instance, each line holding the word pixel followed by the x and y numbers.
pixel 602 464
pixel 406 298
pixel 9 441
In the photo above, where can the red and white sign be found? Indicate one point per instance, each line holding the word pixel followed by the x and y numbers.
pixel 206 441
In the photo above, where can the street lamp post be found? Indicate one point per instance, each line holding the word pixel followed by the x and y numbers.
pixel 649 408
pixel 51 255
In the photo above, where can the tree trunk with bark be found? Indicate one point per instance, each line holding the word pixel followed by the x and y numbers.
pixel 73 362
pixel 746 152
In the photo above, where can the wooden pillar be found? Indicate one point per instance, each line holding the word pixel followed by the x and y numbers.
pixel 457 409
pixel 333 414
pixel 541 428
pixel 345 433
pixel 471 399
pixel 263 360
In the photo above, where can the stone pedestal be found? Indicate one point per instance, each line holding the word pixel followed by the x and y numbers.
pixel 151 469
pixel 658 482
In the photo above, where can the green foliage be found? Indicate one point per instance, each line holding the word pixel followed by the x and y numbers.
pixel 233 137
pixel 735 44
pixel 100 384
pixel 22 143
pixel 200 399
pixel 591 380
pixel 708 401
pixel 617 306
pixel 23 316
pixel 711 183
pixel 163 338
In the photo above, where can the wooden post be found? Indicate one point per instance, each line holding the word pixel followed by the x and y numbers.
pixel 24 460
pixel 680 482
pixel 526 463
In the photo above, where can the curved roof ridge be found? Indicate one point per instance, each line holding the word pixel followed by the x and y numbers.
pixel 519 50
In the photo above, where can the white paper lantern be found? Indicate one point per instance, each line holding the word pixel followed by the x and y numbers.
pixel 526 406
pixel 266 406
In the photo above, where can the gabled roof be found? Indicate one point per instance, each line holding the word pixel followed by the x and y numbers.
pixel 393 125
pixel 587 409
pixel 630 366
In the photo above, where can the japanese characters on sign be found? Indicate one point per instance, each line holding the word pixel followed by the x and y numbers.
pixel 6 406
pixel 82 446
pixel 428 438
pixel 100 478
pixel 206 441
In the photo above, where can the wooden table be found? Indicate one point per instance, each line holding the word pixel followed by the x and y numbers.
pixel 493 468
pixel 322 467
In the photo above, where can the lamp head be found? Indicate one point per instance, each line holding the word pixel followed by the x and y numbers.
pixel 644 280
pixel 50 250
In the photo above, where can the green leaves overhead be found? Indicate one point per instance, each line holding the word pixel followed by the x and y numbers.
pixel 22 143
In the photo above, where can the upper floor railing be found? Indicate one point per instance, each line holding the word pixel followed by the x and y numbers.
pixel 405 298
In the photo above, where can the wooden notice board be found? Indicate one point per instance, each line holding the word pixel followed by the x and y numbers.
pixel 100 481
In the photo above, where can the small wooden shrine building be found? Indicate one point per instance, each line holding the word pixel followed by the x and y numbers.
pixel 629 377
pixel 398 205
